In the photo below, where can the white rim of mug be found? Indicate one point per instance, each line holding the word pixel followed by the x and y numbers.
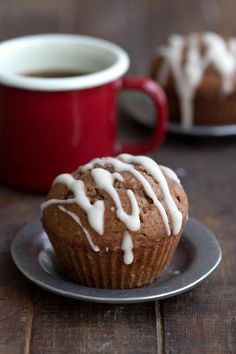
pixel 99 78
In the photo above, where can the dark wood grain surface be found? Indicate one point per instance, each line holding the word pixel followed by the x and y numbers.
pixel 200 321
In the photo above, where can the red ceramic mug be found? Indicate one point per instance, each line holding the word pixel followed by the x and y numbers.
pixel 51 125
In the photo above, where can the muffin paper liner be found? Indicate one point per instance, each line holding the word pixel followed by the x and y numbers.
pixel 108 270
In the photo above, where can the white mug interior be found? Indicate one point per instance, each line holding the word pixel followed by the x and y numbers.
pixel 104 61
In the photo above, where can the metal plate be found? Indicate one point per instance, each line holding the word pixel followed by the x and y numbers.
pixel 141 108
pixel 203 131
pixel 196 257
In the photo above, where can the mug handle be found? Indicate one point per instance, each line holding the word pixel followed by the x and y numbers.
pixel 151 88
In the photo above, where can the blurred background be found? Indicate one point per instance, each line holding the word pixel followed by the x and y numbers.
pixel 136 25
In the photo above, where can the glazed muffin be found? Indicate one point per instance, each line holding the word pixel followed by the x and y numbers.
pixel 198 73
pixel 115 222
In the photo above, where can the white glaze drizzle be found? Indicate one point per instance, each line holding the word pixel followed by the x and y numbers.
pixel 189 76
pixel 152 167
pixel 95 212
pixel 76 218
pixel 105 180
pixel 118 176
pixel 119 165
pixel 170 173
pixel 127 246
pixel 222 58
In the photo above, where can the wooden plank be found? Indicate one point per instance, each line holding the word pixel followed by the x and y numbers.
pixel 15 291
pixel 203 320
pixel 66 326
pixel 61 325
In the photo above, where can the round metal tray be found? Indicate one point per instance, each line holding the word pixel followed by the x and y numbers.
pixel 140 108
pixel 196 257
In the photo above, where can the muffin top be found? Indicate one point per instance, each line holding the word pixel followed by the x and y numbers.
pixel 196 63
pixel 116 203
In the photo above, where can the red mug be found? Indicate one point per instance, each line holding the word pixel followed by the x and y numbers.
pixel 50 125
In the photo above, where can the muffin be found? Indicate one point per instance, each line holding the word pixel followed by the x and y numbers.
pixel 198 73
pixel 115 222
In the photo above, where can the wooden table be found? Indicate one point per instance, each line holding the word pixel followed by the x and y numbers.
pixel 200 321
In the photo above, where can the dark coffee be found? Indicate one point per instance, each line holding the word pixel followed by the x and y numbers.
pixel 55 74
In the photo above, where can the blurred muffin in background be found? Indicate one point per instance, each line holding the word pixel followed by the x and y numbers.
pixel 198 73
